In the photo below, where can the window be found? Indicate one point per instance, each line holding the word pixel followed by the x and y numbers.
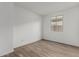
pixel 57 24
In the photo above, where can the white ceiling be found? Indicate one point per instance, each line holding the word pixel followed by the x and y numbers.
pixel 44 8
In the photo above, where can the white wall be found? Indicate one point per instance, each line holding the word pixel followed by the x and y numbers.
pixel 17 27
pixel 70 34
pixel 27 28
pixel 6 17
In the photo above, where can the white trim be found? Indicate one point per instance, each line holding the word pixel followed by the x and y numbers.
pixel 7 52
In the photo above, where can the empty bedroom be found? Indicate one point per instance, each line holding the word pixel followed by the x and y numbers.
pixel 39 29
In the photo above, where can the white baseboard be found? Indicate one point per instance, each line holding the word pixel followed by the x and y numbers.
pixel 26 43
pixel 7 52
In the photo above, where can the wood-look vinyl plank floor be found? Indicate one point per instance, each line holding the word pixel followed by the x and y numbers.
pixel 45 48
